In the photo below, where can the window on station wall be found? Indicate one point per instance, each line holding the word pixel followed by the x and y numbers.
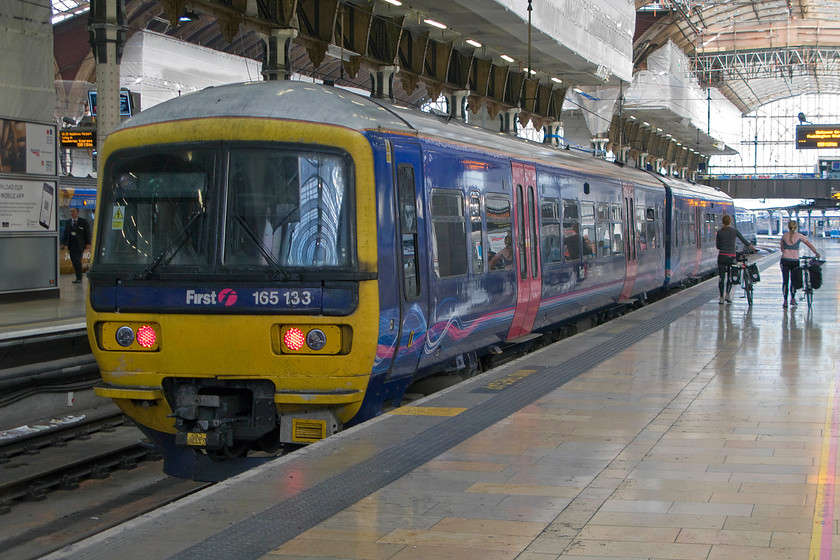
pixel 476 239
pixel 551 231
pixel 449 243
pixel 499 235
pixel 617 229
pixel 603 230
pixel 571 230
pixel 587 229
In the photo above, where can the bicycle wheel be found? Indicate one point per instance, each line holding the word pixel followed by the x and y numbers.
pixel 748 289
pixel 809 296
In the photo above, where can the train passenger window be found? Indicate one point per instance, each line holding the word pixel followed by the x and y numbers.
pixel 641 229
pixel 650 226
pixel 408 229
pixel 587 229
pixel 499 235
pixel 476 239
pixel 550 230
pixel 571 230
pixel 603 211
pixel 449 239
pixel 692 228
pixel 617 230
pixel 603 230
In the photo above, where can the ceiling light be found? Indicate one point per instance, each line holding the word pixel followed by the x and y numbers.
pixel 394 2
pixel 434 23
pixel 556 80
pixel 507 58
pixel 189 15
pixel 476 44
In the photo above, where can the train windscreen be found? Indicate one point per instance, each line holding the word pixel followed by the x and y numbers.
pixel 256 207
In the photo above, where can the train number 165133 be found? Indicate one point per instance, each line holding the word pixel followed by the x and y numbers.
pixel 291 298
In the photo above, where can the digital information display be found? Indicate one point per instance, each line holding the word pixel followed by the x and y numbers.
pixel 812 136
pixel 74 138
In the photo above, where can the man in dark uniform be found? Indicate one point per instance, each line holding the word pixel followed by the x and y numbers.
pixel 77 241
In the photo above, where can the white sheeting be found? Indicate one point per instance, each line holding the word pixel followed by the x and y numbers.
pixel 668 85
pixel 600 31
pixel 161 68
pixel 27 92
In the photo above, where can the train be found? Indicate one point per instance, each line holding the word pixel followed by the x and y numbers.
pixel 276 261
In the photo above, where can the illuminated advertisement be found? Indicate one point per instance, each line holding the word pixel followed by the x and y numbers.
pixel 27 205
pixel 813 136
pixel 27 148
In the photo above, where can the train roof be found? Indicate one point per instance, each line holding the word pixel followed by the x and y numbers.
pixel 309 102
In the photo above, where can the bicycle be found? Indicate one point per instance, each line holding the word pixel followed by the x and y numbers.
pixel 805 264
pixel 739 274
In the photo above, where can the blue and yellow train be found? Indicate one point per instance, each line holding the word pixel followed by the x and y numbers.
pixel 275 261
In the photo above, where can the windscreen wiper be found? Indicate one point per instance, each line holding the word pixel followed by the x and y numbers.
pixel 177 242
pixel 275 266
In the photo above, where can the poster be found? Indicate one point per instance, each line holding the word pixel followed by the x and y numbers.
pixel 27 148
pixel 27 205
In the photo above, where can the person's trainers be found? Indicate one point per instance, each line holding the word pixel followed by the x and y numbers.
pixel 784 304
pixel 728 299
pixel 793 303
pixel 720 301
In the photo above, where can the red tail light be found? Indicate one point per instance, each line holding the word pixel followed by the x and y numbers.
pixel 146 336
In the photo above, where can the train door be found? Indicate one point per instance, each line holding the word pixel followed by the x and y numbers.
pixel 631 263
pixel 413 291
pixel 526 249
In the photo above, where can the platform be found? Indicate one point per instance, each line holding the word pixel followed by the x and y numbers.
pixel 45 316
pixel 685 430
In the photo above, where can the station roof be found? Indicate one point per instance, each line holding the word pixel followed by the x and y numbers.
pixel 753 51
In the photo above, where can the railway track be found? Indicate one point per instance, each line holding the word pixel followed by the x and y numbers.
pixel 60 485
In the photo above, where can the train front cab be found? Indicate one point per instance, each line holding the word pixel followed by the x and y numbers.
pixel 249 349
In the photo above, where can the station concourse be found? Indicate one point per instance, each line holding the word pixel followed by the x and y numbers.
pixel 683 430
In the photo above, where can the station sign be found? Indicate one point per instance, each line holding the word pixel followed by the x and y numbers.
pixel 814 136
pixel 77 138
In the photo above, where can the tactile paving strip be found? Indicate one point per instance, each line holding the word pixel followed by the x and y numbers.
pixel 265 531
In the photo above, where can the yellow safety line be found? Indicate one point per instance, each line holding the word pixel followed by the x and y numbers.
pixel 426 411
pixel 823 527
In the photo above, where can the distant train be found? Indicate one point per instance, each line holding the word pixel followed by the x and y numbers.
pixel 276 261
pixel 746 222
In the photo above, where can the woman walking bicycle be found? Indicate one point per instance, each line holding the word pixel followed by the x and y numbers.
pixel 725 241
pixel 790 259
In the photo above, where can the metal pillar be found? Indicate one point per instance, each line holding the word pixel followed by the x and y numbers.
pixel 458 104
pixel 277 65
pixel 106 30
pixel 551 133
pixel 508 117
pixel 383 82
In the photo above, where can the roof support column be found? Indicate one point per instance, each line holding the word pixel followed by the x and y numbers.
pixel 623 154
pixel 278 44
pixel 509 120
pixel 458 104
pixel 551 133
pixel 106 29
pixel 383 82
